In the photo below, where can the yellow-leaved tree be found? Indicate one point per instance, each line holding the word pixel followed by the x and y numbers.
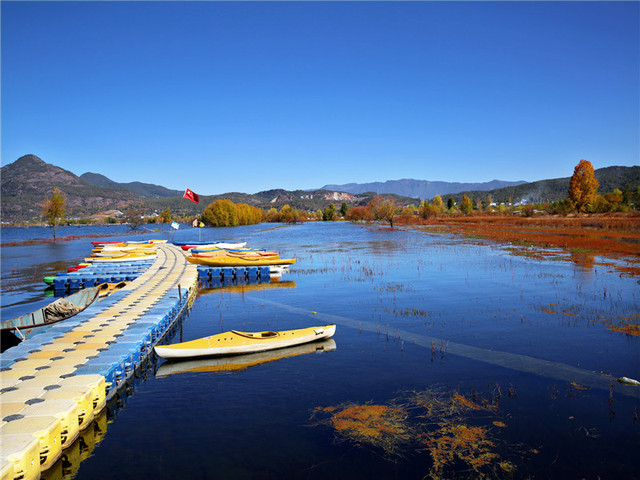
pixel 53 210
pixel 583 186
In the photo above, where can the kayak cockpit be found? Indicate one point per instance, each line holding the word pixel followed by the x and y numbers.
pixel 257 335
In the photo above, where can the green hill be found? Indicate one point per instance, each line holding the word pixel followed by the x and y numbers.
pixel 27 182
pixel 556 189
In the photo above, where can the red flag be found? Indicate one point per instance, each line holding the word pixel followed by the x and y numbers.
pixel 191 196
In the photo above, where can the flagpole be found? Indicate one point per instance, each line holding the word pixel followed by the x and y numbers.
pixel 195 198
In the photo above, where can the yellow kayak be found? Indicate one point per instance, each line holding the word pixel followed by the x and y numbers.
pixel 234 342
pixel 241 362
pixel 240 261
pixel 119 253
pixel 121 258
pixel 247 255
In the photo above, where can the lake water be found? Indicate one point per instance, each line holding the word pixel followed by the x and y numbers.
pixel 447 350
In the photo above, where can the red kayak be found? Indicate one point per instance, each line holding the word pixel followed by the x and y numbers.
pixel 77 267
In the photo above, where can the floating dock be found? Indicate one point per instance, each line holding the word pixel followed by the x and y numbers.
pixel 55 383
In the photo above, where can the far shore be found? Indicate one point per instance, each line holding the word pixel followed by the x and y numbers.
pixel 610 234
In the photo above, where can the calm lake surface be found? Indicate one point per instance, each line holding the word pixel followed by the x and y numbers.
pixel 519 351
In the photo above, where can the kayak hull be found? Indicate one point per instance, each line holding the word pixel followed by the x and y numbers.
pixel 236 343
pixel 239 261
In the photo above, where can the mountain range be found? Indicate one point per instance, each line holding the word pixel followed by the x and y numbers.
pixel 27 182
pixel 139 188
pixel 422 189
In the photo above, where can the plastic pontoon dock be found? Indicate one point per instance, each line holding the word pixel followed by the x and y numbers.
pixel 55 383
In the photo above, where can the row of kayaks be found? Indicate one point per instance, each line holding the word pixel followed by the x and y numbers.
pixel 232 255
pixel 129 251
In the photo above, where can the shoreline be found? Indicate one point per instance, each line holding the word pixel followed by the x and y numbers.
pixel 67 238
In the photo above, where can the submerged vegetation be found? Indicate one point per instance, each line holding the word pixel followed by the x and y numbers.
pixel 458 432
pixel 579 238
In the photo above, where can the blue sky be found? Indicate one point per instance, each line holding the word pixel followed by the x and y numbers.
pixel 244 96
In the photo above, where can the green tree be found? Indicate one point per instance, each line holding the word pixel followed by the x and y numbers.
pixel 165 215
pixel 343 209
pixel 583 186
pixel 53 210
pixel 451 203
pixel 615 198
pixel 329 212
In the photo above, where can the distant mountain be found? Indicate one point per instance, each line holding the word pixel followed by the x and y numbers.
pixel 139 188
pixel 27 182
pixel 556 189
pixel 300 199
pixel 422 189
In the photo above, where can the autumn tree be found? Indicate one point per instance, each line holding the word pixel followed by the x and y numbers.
pixel 289 214
pixel 134 217
pixel 429 210
pixel 272 215
pixel 406 213
pixel 53 210
pixel 357 214
pixel 438 203
pixel 225 213
pixel 384 209
pixel 467 204
pixel 583 186
pixel 221 213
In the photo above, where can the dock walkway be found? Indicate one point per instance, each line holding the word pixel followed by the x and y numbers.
pixel 53 384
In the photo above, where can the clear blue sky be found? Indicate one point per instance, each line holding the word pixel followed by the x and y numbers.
pixel 244 96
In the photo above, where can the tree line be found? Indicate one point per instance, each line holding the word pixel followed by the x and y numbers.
pixel 582 197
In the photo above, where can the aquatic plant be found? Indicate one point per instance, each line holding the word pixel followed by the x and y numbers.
pixel 379 426
pixel 433 421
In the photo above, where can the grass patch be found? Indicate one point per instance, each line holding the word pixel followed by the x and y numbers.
pixel 458 432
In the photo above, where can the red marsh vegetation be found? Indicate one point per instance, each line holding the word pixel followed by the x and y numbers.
pixel 613 235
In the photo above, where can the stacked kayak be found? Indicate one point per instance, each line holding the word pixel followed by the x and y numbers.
pixel 239 261
pixel 216 256
pixel 123 252
pixel 93 274
pixel 234 254
pixel 211 246
pixel 110 262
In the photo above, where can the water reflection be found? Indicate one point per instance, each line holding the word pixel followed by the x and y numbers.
pixel 207 287
pixel 241 362
pixel 67 466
